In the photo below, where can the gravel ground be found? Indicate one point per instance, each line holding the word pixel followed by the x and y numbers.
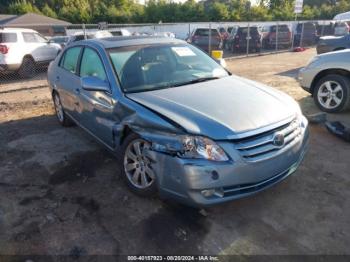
pixel 61 193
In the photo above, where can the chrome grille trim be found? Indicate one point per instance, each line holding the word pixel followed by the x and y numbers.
pixel 261 147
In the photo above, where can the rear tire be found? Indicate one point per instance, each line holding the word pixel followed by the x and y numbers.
pixel 62 117
pixel 332 93
pixel 28 68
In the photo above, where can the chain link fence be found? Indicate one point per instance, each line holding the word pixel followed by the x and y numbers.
pixel 24 55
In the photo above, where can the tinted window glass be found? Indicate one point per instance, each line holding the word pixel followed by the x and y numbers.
pixel 205 32
pixel 91 65
pixel 8 37
pixel 70 59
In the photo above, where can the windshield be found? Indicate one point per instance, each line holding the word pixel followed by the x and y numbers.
pixel 146 68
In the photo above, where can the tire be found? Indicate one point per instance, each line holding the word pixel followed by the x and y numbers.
pixel 62 117
pixel 332 93
pixel 136 167
pixel 27 68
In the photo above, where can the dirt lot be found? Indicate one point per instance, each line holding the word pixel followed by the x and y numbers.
pixel 61 193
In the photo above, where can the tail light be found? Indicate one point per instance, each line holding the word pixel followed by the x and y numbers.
pixel 4 49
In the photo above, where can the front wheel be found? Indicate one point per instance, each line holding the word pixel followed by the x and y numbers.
pixel 332 93
pixel 137 166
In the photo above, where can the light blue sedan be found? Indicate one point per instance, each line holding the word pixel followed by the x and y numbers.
pixel 180 124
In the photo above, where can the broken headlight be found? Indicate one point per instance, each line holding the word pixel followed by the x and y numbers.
pixel 193 147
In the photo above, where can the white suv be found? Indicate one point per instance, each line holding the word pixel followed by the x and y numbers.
pixel 23 50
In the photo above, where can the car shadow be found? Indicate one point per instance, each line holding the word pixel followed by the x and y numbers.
pixel 293 73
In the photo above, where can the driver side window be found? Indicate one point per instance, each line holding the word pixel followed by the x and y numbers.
pixel 91 65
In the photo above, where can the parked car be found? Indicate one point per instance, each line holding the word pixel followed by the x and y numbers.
pixel 327 78
pixel 246 36
pixel 276 35
pixel 120 32
pixel 341 28
pixel 79 36
pixel 324 29
pixel 305 34
pixel 180 123
pixel 200 38
pixel 333 43
pixel 23 50
pixel 61 40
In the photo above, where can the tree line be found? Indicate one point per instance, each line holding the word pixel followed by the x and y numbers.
pixel 155 11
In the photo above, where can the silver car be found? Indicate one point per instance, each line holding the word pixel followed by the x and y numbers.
pixel 181 125
pixel 327 78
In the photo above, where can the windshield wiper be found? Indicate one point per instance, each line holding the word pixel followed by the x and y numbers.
pixel 194 81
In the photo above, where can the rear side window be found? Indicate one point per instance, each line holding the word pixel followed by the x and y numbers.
pixel 8 37
pixel 205 32
pixel 91 65
pixel 70 59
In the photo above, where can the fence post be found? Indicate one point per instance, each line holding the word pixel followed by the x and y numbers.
pixel 302 35
pixel 84 31
pixel 248 38
pixel 323 25
pixel 209 47
pixel 277 37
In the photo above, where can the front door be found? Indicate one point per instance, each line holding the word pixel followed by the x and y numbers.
pixel 96 107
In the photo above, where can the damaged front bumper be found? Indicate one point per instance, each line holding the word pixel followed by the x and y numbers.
pixel 204 183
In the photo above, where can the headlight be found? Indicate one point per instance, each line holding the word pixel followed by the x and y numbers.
pixel 197 147
pixel 201 147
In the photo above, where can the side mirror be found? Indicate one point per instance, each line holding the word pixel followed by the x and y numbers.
pixel 92 83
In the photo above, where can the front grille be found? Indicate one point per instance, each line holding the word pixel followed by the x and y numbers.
pixel 262 146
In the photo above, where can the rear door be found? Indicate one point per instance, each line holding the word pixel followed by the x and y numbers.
pixel 96 107
pixel 67 81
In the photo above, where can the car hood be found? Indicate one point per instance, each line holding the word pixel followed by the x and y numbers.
pixel 225 108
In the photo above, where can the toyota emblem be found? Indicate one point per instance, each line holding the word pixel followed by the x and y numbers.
pixel 278 140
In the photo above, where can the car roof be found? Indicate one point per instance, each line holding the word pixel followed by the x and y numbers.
pixel 10 29
pixel 121 41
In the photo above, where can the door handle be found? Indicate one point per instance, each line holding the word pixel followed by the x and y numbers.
pixel 77 91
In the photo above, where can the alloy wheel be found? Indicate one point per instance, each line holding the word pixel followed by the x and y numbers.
pixel 330 94
pixel 137 165
pixel 58 108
